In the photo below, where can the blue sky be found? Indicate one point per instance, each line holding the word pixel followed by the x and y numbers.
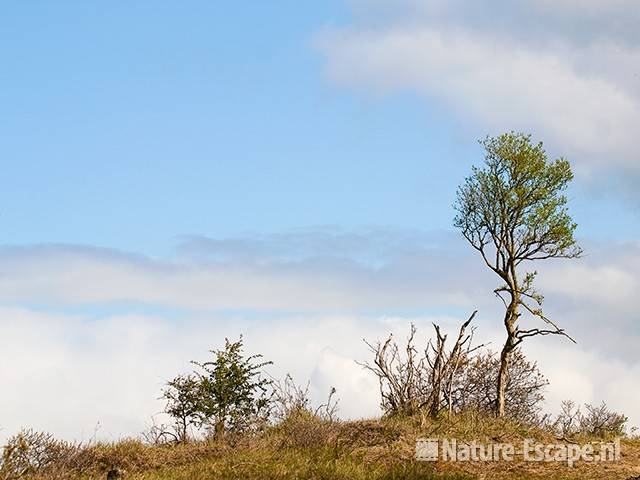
pixel 127 125
pixel 159 120
pixel 174 172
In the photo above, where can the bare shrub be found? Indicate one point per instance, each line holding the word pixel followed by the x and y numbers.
pixel 602 422
pixel 475 386
pixel 289 398
pixel 446 368
pixel 301 424
pixel 598 421
pixel 401 377
pixel 455 380
pixel 411 380
pixel 159 433
pixel 567 423
pixel 30 452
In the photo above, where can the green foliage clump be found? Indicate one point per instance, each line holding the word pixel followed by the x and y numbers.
pixel 234 394
pixel 516 202
pixel 185 404
pixel 225 394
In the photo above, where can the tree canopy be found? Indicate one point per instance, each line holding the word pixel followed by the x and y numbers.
pixel 516 205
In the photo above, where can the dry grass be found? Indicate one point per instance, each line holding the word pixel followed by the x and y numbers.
pixel 306 447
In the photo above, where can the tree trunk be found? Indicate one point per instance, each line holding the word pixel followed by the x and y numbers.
pixel 219 425
pixel 183 430
pixel 511 315
pixel 505 359
pixel 219 428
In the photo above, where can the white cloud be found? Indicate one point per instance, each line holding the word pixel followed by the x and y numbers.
pixel 586 376
pixel 588 7
pixel 517 69
pixel 606 285
pixel 70 374
pixel 605 282
pixel 66 372
pixel 67 274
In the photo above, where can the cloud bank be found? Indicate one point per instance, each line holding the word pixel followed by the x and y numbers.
pixel 100 331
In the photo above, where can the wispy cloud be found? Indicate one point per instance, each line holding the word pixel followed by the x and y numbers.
pixel 283 272
pixel 566 71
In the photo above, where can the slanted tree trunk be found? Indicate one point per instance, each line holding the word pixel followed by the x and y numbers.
pixel 510 318
pixel 505 359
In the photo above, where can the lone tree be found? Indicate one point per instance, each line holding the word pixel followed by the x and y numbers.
pixel 234 393
pixel 513 210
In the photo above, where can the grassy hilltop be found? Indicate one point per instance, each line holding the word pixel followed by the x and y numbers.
pixel 307 447
pixel 228 421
